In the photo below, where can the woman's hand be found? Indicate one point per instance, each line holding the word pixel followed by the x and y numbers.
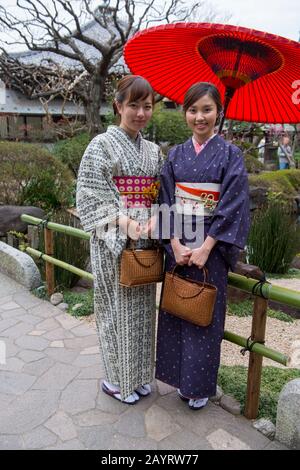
pixel 200 255
pixel 181 252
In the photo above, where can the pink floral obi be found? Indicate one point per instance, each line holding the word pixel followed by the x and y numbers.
pixel 137 191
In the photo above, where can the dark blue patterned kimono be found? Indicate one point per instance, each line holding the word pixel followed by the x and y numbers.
pixel 188 356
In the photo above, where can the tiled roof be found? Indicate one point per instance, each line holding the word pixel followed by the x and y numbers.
pixel 16 103
pixel 94 31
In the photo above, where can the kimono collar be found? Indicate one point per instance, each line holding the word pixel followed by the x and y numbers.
pixel 198 147
pixel 140 151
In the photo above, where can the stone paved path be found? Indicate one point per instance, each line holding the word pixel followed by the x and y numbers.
pixel 50 394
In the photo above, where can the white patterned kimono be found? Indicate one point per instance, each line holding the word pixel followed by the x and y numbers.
pixel 125 317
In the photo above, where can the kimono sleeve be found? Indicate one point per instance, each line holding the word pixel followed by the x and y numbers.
pixel 166 202
pixel 97 198
pixel 231 220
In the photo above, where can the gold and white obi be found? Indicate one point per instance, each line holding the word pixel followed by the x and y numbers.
pixel 196 198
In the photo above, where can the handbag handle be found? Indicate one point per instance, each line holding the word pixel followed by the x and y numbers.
pixel 205 271
pixel 139 261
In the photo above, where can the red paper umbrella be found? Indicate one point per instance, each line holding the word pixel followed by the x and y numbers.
pixel 255 72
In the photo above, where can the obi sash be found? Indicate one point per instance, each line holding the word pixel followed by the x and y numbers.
pixel 197 198
pixel 137 191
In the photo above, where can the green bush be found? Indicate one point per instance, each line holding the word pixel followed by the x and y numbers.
pixel 233 381
pixel 70 151
pixel 285 182
pixel 273 238
pixel 30 175
pixel 84 298
pixel 245 309
pixel 167 126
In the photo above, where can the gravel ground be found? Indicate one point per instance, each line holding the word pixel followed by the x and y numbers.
pixel 279 336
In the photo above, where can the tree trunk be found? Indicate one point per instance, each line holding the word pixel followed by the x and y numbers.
pixel 93 107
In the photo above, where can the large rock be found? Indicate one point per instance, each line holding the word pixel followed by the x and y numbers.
pixel 19 266
pixel 10 217
pixel 288 415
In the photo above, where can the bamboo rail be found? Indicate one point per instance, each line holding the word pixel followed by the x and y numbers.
pixel 254 343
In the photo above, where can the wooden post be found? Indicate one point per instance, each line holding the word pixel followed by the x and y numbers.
pixel 49 248
pixel 255 360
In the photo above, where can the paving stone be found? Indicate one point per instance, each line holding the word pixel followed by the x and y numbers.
pixel 57 334
pixel 39 367
pixel 62 355
pixel 11 349
pixel 159 423
pixel 91 350
pixel 82 343
pixel 74 444
pixel 109 405
pixel 18 312
pixel 5 324
pixel 15 383
pixel 67 321
pixel 5 400
pixel 79 396
pixel 31 356
pixel 4 298
pixel 62 425
pixel 242 430
pixel 92 372
pixel 56 378
pixel 48 325
pixel 13 364
pixel 32 342
pixel 36 333
pixel 230 404
pixel 26 300
pixel 131 424
pixel 57 344
pixel 11 305
pixel 83 330
pixel 96 437
pixel 29 411
pixel 86 361
pixel 17 331
pixel 44 310
pixel 120 442
pixel 39 438
pixel 223 440
pixel 275 445
pixel 32 319
pixel 184 440
pixel 94 418
pixel 9 442
pixel 164 389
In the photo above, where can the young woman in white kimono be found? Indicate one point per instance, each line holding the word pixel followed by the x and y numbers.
pixel 119 160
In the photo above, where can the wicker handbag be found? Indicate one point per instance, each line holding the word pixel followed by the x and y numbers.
pixel 190 300
pixel 141 266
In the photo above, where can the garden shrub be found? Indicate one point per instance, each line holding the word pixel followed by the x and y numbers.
pixel 167 126
pixel 285 182
pixel 70 151
pixel 273 239
pixel 30 175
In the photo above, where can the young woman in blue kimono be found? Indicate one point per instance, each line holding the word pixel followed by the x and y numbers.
pixel 205 173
